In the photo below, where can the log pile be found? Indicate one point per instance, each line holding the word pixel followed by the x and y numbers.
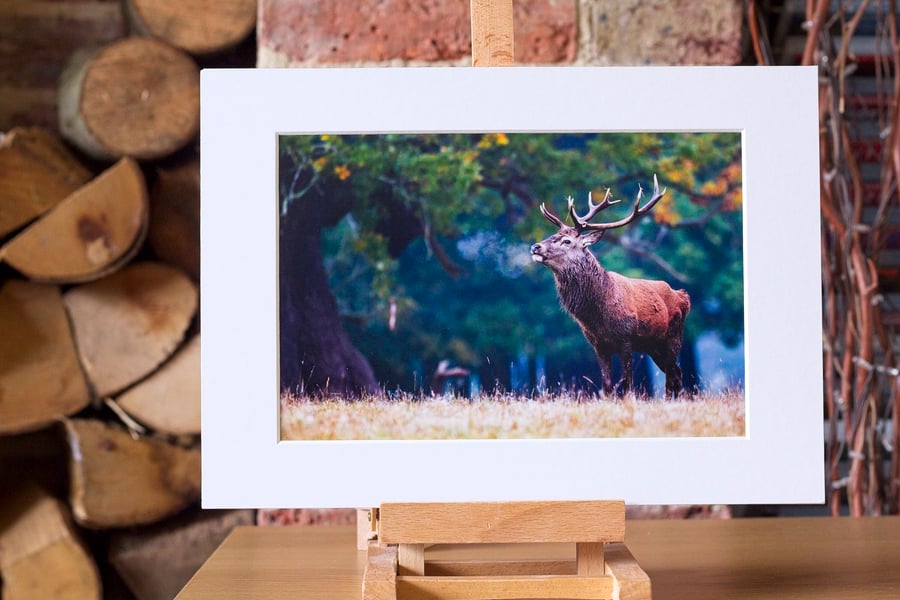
pixel 99 297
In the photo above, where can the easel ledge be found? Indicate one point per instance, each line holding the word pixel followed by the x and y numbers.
pixel 397 536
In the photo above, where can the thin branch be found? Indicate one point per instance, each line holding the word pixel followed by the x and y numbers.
pixel 814 25
pixel 646 253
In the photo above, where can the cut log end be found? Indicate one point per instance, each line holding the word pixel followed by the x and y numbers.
pixel 197 26
pixel 41 555
pixel 40 378
pixel 119 481
pixel 137 97
pixel 169 399
pixel 90 234
pixel 127 324
pixel 36 172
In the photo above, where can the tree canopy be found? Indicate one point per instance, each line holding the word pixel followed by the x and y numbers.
pixel 427 237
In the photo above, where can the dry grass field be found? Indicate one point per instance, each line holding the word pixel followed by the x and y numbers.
pixel 510 417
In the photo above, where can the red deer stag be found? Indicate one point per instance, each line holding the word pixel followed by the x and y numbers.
pixel 617 314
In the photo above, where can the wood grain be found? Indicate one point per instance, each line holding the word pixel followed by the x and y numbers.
pixel 631 580
pixel 589 558
pixel 197 26
pixel 119 481
pixel 380 577
pixel 41 555
pixel 135 97
pixel 411 559
pixel 819 558
pixel 500 522
pixel 492 33
pixel 93 232
pixel 36 341
pixel 128 323
pixel 36 173
pixel 168 400
pixel 568 587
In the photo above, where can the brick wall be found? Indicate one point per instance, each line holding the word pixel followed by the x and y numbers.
pixel 558 32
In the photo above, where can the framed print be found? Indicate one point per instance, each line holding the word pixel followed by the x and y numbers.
pixel 497 284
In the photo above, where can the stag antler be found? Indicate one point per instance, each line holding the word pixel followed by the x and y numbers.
pixel 593 209
pixel 582 223
pixel 551 216
pixel 578 221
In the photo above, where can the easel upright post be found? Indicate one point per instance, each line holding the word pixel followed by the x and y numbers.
pixel 492 33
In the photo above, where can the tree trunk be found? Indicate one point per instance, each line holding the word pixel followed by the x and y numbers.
pixel 316 353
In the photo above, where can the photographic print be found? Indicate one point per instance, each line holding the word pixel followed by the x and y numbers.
pixel 511 285
pixel 501 284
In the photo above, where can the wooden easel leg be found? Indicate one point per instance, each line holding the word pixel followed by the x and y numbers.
pixel 365 527
pixel 492 33
pixel 411 559
pixel 589 558
pixel 380 576
pixel 631 582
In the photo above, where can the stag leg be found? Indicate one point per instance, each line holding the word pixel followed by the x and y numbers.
pixel 673 381
pixel 627 358
pixel 605 372
pixel 665 360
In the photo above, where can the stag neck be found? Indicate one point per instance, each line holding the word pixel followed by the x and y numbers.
pixel 576 273
pixel 583 287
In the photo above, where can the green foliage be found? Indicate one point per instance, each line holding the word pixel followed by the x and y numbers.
pixel 473 200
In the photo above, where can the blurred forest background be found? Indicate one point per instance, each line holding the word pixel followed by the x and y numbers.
pixel 400 252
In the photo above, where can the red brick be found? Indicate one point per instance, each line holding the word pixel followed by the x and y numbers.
pixel 664 32
pixel 307 32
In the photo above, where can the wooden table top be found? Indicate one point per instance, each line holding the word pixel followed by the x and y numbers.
pixel 787 558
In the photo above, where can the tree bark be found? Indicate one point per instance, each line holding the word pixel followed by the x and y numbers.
pixel 316 355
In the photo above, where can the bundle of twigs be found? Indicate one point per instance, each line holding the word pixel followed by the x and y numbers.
pixel 859 213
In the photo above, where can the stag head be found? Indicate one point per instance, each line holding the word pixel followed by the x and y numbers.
pixel 571 242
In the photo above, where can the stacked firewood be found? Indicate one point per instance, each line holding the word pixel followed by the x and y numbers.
pixel 99 324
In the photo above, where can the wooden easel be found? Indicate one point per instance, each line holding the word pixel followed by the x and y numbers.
pixel 397 536
pixel 398 566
